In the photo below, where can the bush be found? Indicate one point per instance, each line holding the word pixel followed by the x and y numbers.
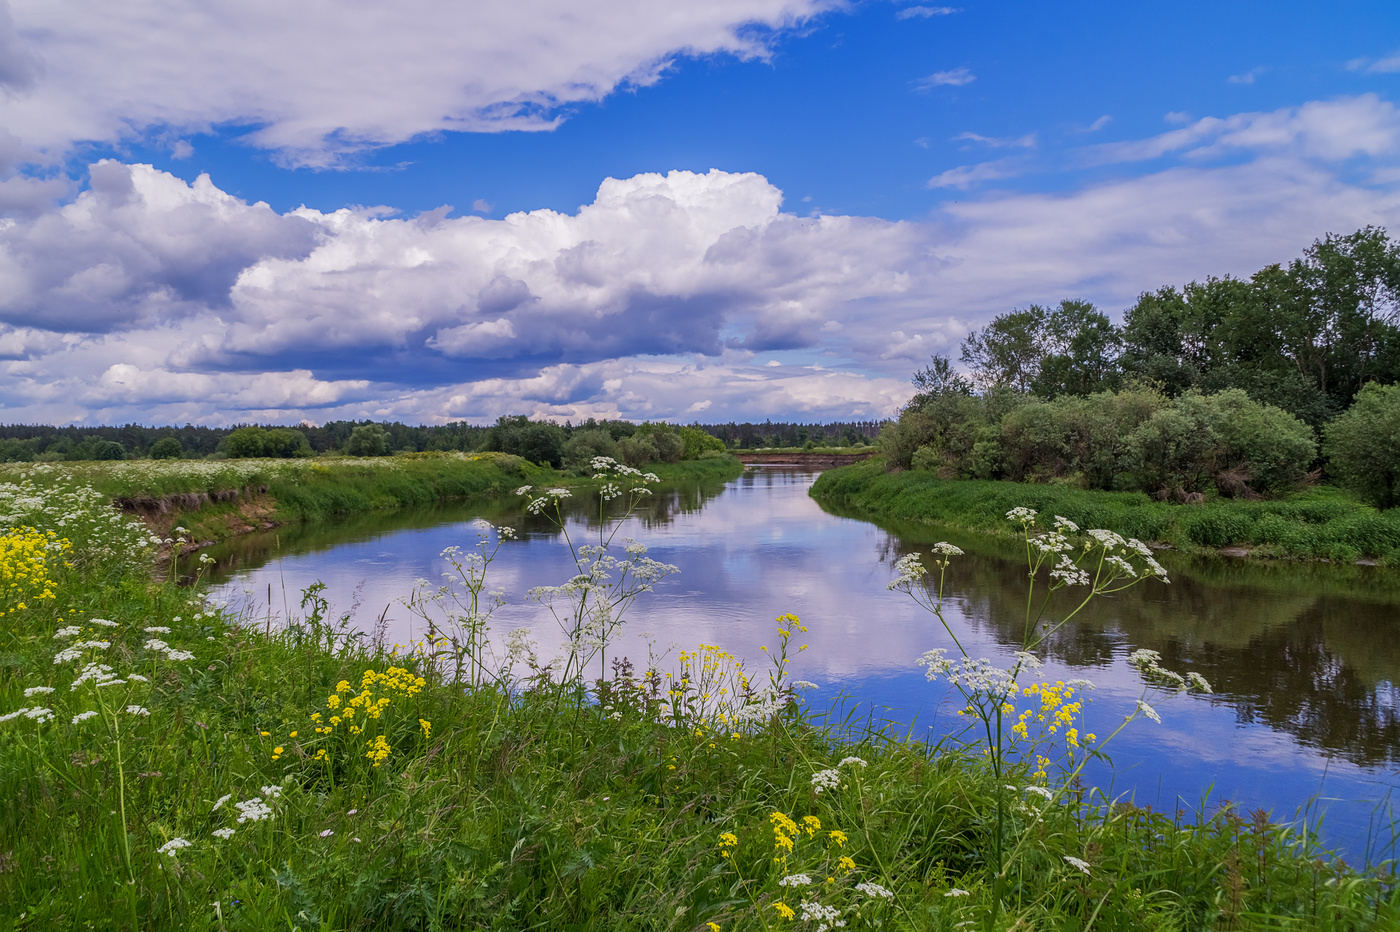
pixel 697 442
pixel 537 441
pixel 587 443
pixel 1363 446
pixel 278 443
pixel 367 440
pixel 167 448
pixel 1262 445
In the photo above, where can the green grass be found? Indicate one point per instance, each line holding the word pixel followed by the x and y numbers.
pixel 1320 524
pixel 218 498
pixel 533 804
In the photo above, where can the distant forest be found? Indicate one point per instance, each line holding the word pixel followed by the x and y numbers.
pixel 36 442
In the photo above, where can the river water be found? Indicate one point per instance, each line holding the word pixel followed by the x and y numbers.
pixel 1304 660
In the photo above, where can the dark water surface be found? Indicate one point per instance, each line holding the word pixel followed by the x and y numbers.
pixel 1304 659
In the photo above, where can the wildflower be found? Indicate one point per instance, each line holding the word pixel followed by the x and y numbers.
pixel 811 824
pixel 106 624
pixel 138 710
pixel 222 799
pixel 727 841
pixel 838 836
pixel 137 678
pixel 956 892
pixel 908 571
pixel 15 714
pixel 39 714
pixel 829 916
pixel 1025 516
pixel 795 880
pixel 1197 682
pixel 1150 712
pixel 1040 791
pixel 427 727
pixel 71 631
pixel 785 911
pixel 253 810
pixel 84 716
pixel 826 780
pixel 156 629
pixel 37 691
pixel 224 833
pixel 172 654
pixel 851 760
pixel 874 890
pixel 171 846
pixel 712 926
pixel 155 644
pixel 1065 524
pixel 1076 862
pixel 328 833
pixel 272 792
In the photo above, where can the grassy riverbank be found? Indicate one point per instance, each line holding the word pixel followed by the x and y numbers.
pixel 1319 524
pixel 210 775
pixel 221 498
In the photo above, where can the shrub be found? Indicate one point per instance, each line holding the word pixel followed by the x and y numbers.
pixel 367 440
pixel 1363 446
pixel 167 448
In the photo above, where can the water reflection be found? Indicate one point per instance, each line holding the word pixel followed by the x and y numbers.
pixel 1303 658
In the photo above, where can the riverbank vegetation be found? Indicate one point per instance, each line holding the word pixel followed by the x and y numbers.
pixel 166 765
pixel 216 499
pixel 1260 413
pixel 1319 524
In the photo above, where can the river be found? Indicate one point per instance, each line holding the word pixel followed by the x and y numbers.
pixel 1304 721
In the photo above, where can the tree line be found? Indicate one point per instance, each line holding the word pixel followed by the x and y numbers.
pixel 1237 386
pixel 538 441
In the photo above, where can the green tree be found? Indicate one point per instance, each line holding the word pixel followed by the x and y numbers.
pixel 167 448
pixel 1363 446
pixel 367 440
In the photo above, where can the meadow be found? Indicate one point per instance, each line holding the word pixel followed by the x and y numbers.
pixel 169 765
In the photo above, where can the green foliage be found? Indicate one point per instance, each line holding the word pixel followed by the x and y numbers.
pixel 1317 524
pixel 697 442
pixel 537 441
pixel 1363 446
pixel 552 806
pixel 167 448
pixel 586 443
pixel 367 440
pixel 274 443
pixel 1071 349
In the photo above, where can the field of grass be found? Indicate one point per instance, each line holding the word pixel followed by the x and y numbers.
pixel 1320 524
pixel 166 766
pixel 215 499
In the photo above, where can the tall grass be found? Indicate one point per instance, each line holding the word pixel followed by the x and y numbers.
pixel 635 802
pixel 1321 523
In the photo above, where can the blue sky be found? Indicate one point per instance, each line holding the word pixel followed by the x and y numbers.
pixel 807 198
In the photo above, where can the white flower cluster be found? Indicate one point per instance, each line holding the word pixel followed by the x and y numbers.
pixel 851 760
pixel 826 780
pixel 1077 862
pixel 795 880
pixel 37 691
pixel 84 716
pixel 874 890
pixel 173 845
pixel 974 676
pixel 1149 663
pixel 99 674
pixel 69 631
pixel 171 653
pixel 827 917
pixel 253 810
pixel 37 713
pixel 76 651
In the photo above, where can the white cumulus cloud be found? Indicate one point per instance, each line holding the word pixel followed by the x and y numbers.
pixel 149 298
pixel 313 82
